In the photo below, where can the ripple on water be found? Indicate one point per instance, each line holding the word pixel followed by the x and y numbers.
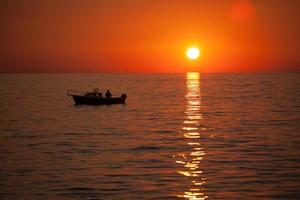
pixel 216 136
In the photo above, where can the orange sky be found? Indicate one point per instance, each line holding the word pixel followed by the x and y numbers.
pixel 149 35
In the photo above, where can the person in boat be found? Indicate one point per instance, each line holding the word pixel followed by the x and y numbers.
pixel 108 94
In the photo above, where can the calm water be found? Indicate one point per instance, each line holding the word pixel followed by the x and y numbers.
pixel 180 136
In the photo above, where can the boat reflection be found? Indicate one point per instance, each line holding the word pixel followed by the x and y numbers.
pixel 190 160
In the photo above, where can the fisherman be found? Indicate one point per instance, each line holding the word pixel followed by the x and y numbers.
pixel 108 94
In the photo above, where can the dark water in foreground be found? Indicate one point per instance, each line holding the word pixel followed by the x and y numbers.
pixel 233 136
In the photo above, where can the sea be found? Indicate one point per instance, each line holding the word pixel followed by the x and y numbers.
pixel 179 136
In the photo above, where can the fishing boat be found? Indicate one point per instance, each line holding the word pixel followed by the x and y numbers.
pixel 94 98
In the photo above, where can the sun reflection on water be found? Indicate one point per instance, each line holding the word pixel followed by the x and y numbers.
pixel 190 161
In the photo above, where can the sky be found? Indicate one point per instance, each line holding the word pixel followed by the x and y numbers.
pixel 141 36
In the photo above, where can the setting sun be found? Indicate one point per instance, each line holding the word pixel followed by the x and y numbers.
pixel 193 53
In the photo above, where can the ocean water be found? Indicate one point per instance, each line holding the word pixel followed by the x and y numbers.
pixel 179 136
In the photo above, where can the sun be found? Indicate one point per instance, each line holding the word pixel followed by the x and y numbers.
pixel 193 53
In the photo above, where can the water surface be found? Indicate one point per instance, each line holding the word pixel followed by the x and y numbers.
pixel 180 136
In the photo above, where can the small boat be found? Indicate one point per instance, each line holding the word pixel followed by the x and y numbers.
pixel 94 98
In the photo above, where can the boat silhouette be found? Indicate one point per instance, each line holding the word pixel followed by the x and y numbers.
pixel 94 98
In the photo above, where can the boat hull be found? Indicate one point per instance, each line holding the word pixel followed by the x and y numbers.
pixel 94 100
